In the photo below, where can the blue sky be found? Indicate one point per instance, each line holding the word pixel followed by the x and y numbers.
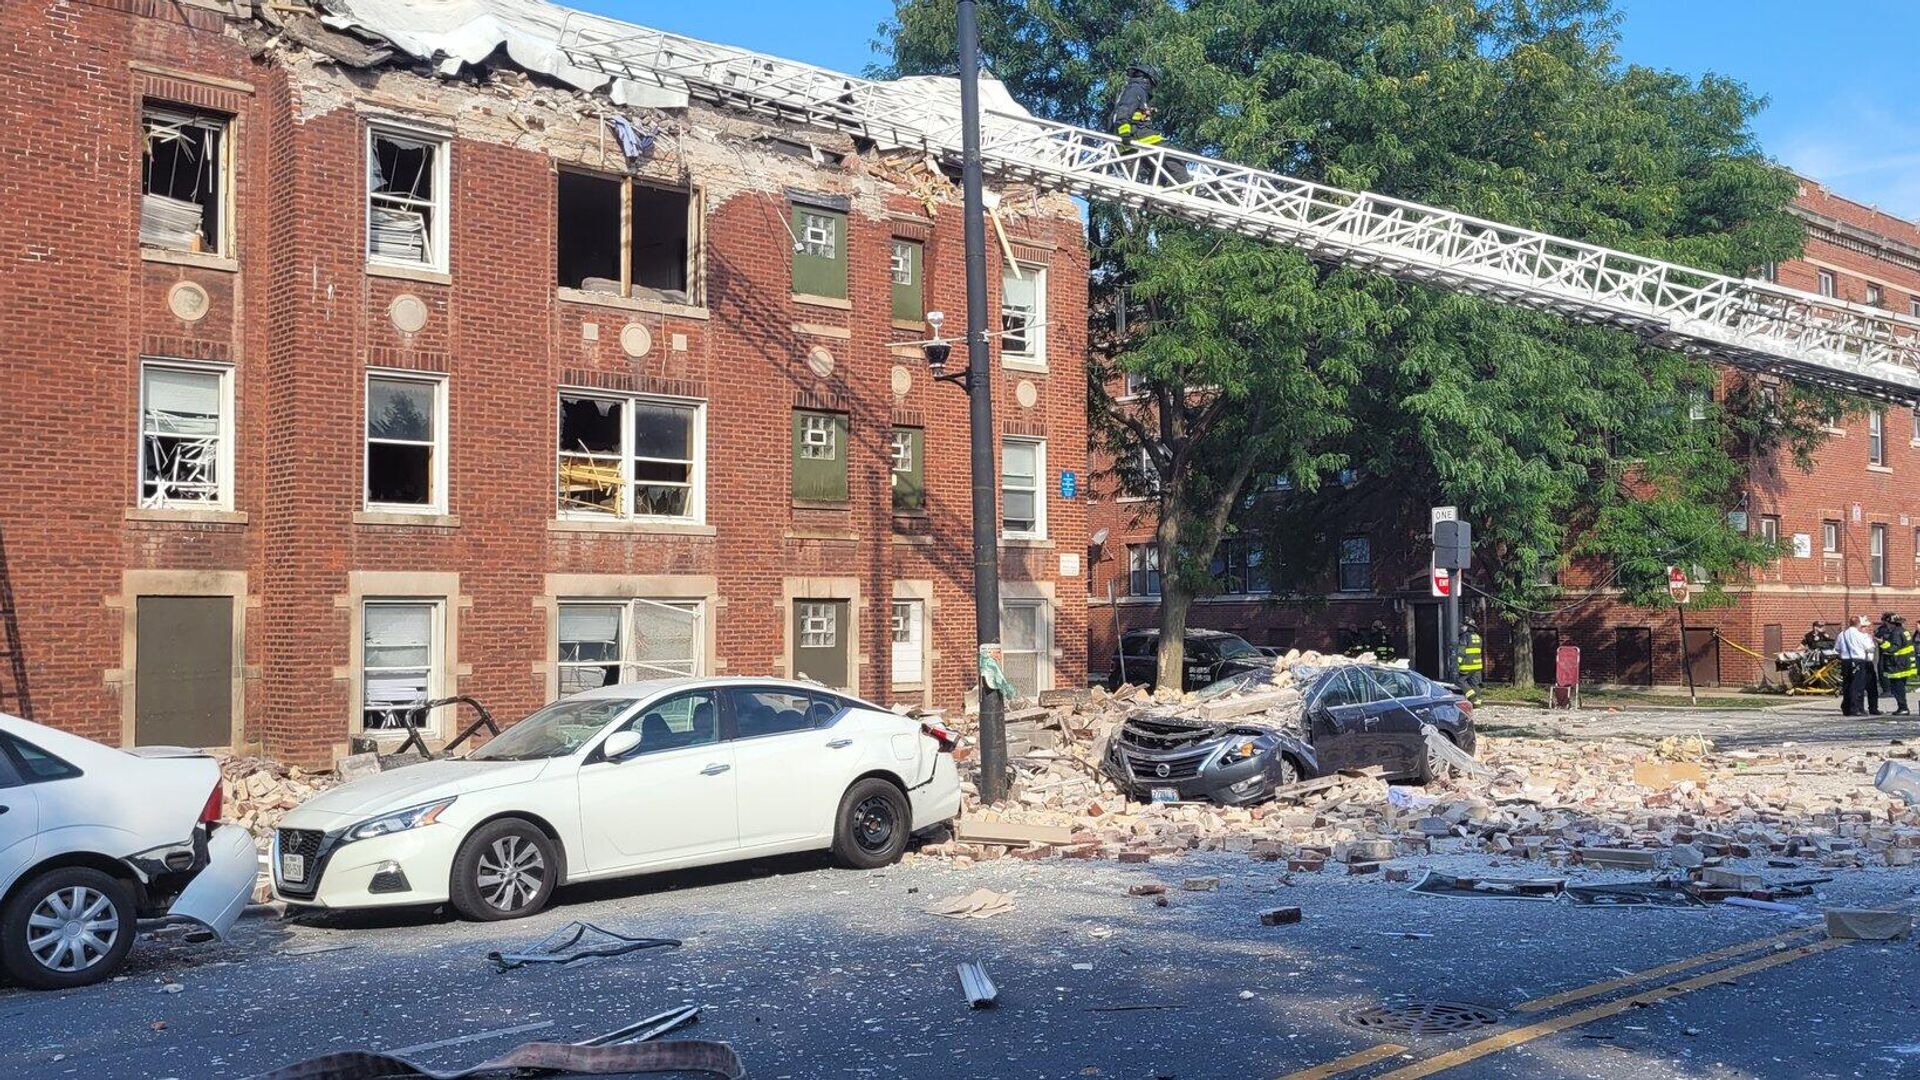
pixel 1842 84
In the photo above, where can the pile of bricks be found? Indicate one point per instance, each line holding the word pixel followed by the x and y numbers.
pixel 256 793
pixel 1614 803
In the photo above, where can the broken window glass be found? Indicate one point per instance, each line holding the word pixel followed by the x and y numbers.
pixel 593 248
pixel 589 646
pixel 612 446
pixel 180 434
pixel 662 459
pixel 396 660
pixel 1020 312
pixel 591 455
pixel 402 433
pixel 182 174
pixel 403 199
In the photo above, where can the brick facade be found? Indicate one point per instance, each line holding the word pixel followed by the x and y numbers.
pixel 1872 258
pixel 297 316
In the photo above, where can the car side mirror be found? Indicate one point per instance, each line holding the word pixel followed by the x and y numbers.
pixel 620 744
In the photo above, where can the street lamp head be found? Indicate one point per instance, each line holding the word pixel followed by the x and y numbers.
pixel 934 319
pixel 937 353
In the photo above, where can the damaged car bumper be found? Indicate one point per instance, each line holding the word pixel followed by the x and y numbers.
pixel 1232 768
pixel 220 891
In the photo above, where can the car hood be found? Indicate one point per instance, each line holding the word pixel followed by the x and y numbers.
pixel 409 786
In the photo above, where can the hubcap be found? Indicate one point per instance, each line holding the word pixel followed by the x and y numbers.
pixel 511 873
pixel 873 824
pixel 71 929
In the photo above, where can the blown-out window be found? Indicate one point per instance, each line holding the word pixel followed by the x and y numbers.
pixel 183 180
pixel 186 436
pixel 631 457
pixel 406 199
pixel 603 642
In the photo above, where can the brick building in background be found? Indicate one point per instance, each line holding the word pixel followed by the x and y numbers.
pixel 1851 526
pixel 332 382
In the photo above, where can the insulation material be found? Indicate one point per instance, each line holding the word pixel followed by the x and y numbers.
pixel 170 223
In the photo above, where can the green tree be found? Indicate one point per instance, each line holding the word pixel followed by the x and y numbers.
pixel 1558 441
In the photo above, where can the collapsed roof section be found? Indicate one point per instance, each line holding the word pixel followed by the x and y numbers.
pixel 453 35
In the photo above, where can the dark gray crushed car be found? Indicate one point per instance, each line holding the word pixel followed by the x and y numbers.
pixel 1349 716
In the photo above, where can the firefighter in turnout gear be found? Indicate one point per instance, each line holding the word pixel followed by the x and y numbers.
pixel 1469 659
pixel 1132 116
pixel 1897 663
pixel 1374 641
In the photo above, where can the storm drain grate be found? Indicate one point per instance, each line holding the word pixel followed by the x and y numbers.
pixel 1422 1017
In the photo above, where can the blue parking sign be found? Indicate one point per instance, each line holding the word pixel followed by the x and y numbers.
pixel 1069 484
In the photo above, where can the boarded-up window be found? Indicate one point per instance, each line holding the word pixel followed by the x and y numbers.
pixel 819 456
pixel 820 252
pixel 908 467
pixel 183 671
pixel 904 270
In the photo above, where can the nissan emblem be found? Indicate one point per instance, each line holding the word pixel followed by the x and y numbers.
pixel 1162 770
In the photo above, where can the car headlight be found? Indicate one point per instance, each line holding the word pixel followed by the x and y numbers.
pixel 1237 752
pixel 399 821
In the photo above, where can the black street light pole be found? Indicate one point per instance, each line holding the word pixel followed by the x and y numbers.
pixel 986 510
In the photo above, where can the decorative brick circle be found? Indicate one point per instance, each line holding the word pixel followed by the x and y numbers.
pixel 820 361
pixel 1027 394
pixel 636 340
pixel 408 312
pixel 188 301
pixel 901 379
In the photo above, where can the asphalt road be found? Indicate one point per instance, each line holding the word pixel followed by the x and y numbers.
pixel 815 972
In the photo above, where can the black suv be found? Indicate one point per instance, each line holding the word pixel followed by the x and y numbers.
pixel 1210 655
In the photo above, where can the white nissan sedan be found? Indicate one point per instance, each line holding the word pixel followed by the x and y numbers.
pixel 621 780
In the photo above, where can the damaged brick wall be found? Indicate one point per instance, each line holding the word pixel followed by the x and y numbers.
pixel 301 318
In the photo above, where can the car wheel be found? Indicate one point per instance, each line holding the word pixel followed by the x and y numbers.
pixel 1432 766
pixel 1287 773
pixel 67 927
pixel 872 827
pixel 505 869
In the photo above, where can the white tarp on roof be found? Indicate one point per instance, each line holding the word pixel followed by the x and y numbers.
pixel 455 33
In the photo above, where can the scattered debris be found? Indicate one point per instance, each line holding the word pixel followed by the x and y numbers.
pixel 646 1030
pixel 978 904
pixel 1149 889
pixel 564 1059
pixel 1763 905
pixel 577 941
pixel 1201 884
pixel 1280 916
pixel 1633 894
pixel 1438 884
pixel 1853 924
pixel 979 989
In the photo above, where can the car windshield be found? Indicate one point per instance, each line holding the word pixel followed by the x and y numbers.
pixel 555 731
pixel 1232 648
pixel 1246 681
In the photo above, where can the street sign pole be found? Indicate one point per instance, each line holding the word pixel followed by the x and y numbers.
pixel 1452 551
pixel 1681 591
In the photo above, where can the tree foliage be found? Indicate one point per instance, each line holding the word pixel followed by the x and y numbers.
pixel 1557 441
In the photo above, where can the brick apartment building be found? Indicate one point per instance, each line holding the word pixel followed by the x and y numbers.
pixel 1851 525
pixel 335 379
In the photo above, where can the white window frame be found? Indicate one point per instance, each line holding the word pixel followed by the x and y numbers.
pixel 223 468
pixel 1876 437
pixel 633 669
pixel 436 662
pixel 1144 559
pixel 1877 555
pixel 1043 648
pixel 1876 294
pixel 1770 528
pixel 1829 284
pixel 1829 537
pixel 1341 563
pixel 1035 355
pixel 1039 530
pixel 437 469
pixel 440 228
pixel 190 116
pixel 697 479
pixel 913 650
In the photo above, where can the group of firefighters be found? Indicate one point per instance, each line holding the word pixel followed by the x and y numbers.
pixel 1872 662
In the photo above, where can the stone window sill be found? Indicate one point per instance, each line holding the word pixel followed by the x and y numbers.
pixel 1025 542
pixel 840 505
pixel 180 515
pixel 632 528
pixel 633 303
pixel 1888 469
pixel 1031 367
pixel 204 260
pixel 823 301
pixel 407 519
pixel 409 273
pixel 820 534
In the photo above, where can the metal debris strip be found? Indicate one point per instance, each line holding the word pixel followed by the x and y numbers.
pixel 1442 748
pixel 577 941
pixel 560 1059
pixel 1438 884
pixel 645 1030
pixel 1633 894
pixel 979 989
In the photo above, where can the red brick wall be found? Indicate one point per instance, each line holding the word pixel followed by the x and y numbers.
pixel 301 320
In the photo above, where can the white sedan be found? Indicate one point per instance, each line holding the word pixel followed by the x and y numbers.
pixel 92 839
pixel 622 780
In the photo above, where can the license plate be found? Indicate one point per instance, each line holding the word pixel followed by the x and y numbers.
pixel 293 867
pixel 1164 794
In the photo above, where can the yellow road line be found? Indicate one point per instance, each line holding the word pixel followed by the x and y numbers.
pixel 1513 1037
pixel 1352 1061
pixel 1582 993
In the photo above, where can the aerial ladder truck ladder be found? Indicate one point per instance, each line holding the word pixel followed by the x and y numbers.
pixel 1753 325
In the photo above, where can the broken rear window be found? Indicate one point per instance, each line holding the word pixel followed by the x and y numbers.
pixel 183 180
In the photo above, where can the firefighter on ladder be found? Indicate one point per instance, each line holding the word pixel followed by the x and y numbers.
pixel 1132 117
pixel 1469 659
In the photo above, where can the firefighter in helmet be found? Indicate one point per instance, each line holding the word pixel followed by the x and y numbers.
pixel 1469 658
